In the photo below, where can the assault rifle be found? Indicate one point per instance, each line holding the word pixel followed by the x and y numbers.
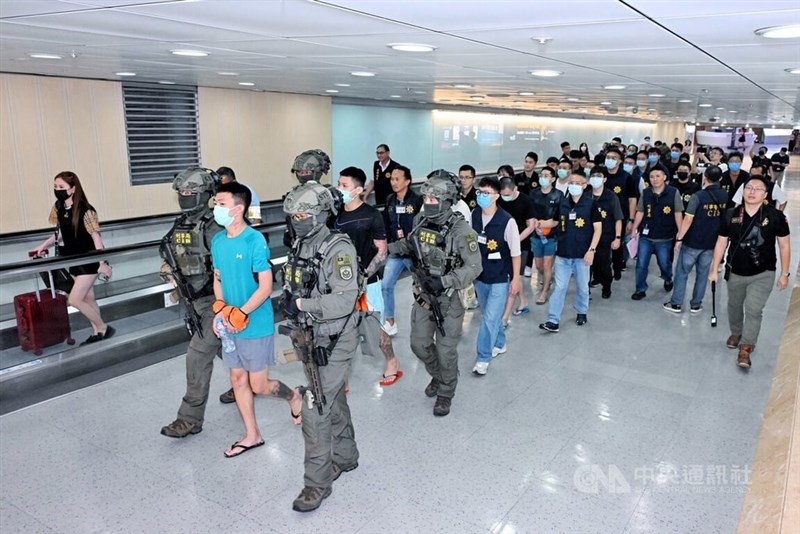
pixel 185 290
pixel 436 310
pixel 302 337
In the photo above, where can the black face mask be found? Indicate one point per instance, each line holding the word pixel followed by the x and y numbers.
pixel 61 194
pixel 683 176
pixel 194 201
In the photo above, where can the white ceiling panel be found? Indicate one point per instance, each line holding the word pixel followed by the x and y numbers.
pixel 307 47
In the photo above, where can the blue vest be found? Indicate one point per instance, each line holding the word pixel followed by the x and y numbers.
pixel 659 214
pixel 492 240
pixel 575 227
pixel 400 215
pixel 703 232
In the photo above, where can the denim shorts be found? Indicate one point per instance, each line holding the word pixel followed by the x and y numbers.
pixel 541 250
pixel 251 354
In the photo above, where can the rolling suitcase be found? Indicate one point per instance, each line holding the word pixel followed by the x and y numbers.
pixel 42 319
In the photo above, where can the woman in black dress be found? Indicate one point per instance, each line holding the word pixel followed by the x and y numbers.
pixel 76 222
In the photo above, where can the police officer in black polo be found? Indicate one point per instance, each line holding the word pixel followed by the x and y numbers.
pixel 683 182
pixel 402 205
pixel 611 237
pixel 659 215
pixel 466 175
pixel 734 177
pixel 696 240
pixel 622 184
pixel 579 229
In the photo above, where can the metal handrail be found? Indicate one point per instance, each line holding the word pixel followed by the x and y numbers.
pixel 38 265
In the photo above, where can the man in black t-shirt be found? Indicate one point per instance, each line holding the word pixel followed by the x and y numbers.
pixel 528 179
pixel 466 175
pixel 520 207
pixel 683 183
pixel 364 225
pixel 752 230
pixel 780 161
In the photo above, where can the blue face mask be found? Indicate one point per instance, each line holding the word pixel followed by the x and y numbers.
pixel 652 158
pixel 484 201
pixel 544 182
pixel 734 166
pixel 575 189
pixel 627 167
pixel 507 198
pixel 641 163
pixel 347 196
pixel 611 163
pixel 587 172
pixel 562 173
pixel 222 216
pixel 596 182
pixel 675 154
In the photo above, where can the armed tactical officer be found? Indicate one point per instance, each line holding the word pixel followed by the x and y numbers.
pixel 186 250
pixel 309 166
pixel 445 252
pixel 321 286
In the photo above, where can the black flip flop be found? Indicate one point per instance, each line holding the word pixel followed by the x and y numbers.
pixel 244 448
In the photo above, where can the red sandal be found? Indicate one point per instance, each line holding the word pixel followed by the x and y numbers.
pixel 391 379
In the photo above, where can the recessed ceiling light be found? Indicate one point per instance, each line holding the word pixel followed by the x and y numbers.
pixel 605 103
pixel 125 73
pixel 542 40
pixel 747 125
pixel 411 47
pixel 462 86
pixel 525 93
pixel 166 82
pixel 520 102
pixel 247 84
pixel 720 109
pixel 342 84
pixel 477 97
pixel 651 109
pixel 613 87
pixel 656 95
pixel 228 73
pixel 573 99
pixel 792 31
pixel 331 90
pixel 398 96
pixel 362 73
pixel 790 71
pixel 733 111
pixel 188 53
pixel 703 105
pixel 685 100
pixel 45 56
pixel 668 111
pixel 545 73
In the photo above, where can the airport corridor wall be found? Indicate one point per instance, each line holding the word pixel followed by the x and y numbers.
pixel 52 124
pixel 425 140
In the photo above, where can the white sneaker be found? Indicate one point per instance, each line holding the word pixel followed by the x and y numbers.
pixel 481 368
pixel 527 272
pixel 390 329
pixel 496 351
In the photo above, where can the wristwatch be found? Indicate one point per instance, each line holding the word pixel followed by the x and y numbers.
pixel 591 250
pixel 618 237
pixel 787 275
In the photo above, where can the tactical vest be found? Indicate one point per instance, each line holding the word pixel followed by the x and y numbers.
pixel 702 235
pixel 495 252
pixel 190 241
pixel 439 251
pixel 575 226
pixel 659 216
pixel 605 203
pixel 401 215
pixel 306 277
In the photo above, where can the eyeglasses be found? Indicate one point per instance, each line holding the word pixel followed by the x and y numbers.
pixel 754 189
pixel 380 152
pixel 466 178
pixel 484 193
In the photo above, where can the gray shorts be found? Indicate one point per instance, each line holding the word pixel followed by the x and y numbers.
pixel 252 355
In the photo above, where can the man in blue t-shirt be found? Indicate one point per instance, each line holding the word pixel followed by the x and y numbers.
pixel 242 287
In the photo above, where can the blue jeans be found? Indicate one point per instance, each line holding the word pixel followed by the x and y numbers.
pixel 646 249
pixel 688 258
pixel 391 273
pixel 492 299
pixel 565 268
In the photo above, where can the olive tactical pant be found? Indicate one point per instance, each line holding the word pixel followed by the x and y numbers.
pixel 330 437
pixel 199 364
pixel 439 353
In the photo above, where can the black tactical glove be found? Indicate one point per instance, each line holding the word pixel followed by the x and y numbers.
pixel 432 284
pixel 290 309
